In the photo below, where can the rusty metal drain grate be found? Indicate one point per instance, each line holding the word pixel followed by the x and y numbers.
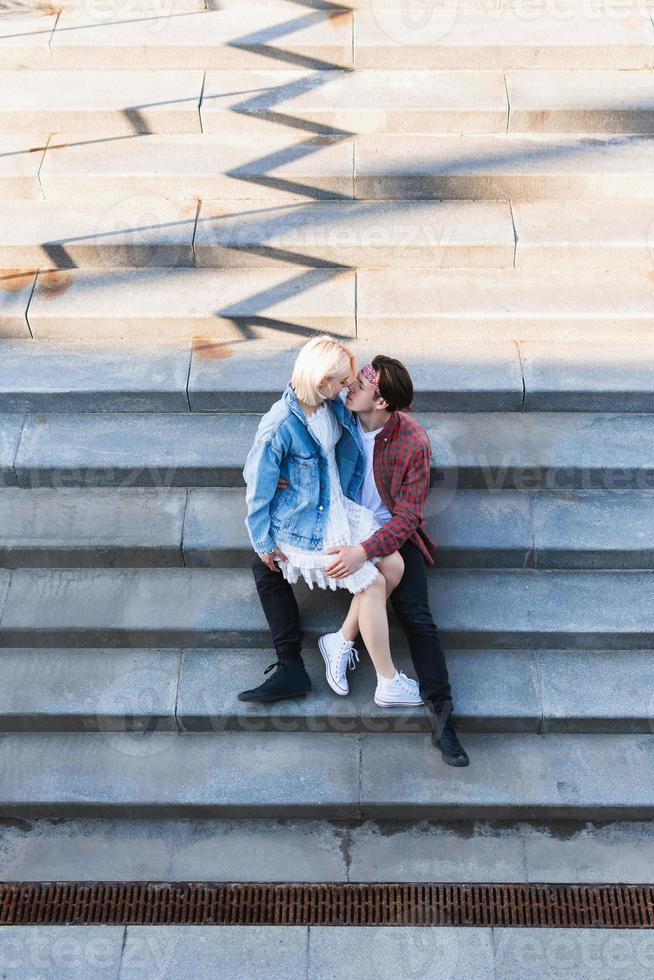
pixel 328 904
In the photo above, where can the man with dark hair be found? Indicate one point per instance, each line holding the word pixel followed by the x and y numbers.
pixel 395 487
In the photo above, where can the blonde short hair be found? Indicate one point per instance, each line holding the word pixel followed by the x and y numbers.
pixel 320 358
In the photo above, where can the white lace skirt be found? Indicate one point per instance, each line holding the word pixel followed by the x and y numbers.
pixel 348 523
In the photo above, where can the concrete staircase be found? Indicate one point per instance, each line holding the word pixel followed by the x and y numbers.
pixel 189 193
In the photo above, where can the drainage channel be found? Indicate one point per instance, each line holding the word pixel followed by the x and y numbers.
pixel 614 906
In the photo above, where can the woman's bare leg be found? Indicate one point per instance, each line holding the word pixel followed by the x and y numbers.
pixel 373 624
pixel 392 569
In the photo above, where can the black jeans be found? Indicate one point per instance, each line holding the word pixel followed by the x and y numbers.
pixel 410 601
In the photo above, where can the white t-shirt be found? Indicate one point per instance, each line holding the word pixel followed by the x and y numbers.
pixel 368 494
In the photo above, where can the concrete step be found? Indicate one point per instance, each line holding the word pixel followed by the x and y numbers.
pixel 508 38
pixel 495 166
pixel 69 104
pixel 355 234
pixel 281 170
pixel 249 375
pixel 374 305
pixel 115 849
pixel 269 34
pixel 142 690
pixel 298 951
pixel 185 167
pixel 581 101
pixel 208 607
pixel 224 234
pixel 581 776
pixel 281 102
pixel 470 450
pixel 205 528
pixel 275 34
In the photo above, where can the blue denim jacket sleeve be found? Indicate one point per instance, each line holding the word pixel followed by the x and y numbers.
pixel 261 474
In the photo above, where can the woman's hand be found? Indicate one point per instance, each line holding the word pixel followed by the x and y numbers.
pixel 269 559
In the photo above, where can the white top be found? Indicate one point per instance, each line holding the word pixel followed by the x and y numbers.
pixel 369 494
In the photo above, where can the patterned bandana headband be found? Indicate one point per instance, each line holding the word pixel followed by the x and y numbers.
pixel 370 376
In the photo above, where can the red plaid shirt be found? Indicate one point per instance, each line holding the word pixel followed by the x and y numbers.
pixel 401 467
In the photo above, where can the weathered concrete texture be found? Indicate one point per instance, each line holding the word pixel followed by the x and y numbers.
pixel 64 952
pixel 88 690
pixel 578 234
pixel 16 287
pixel 182 303
pixel 558 378
pixel 54 527
pixel 11 425
pixel 62 377
pixel 264 103
pixel 103 774
pixel 470 450
pixel 358 233
pixel 494 690
pixel 507 303
pixel 20 158
pixel 232 36
pixel 593 529
pixel 454 38
pixel 187 167
pixel 580 776
pixel 205 608
pixel 496 166
pixel 96 103
pixel 24 38
pixel 135 232
pixel 514 776
pixel 221 849
pixel 581 101
pixel 250 375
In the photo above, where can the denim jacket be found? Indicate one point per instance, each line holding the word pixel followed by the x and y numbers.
pixel 284 446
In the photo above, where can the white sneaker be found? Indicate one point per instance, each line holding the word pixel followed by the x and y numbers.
pixel 338 655
pixel 398 690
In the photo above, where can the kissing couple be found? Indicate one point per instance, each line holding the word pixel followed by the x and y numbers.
pixel 337 480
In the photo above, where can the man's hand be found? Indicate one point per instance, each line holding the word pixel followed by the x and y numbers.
pixel 269 559
pixel 349 559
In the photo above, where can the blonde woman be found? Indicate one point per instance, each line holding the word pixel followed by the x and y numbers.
pixel 309 438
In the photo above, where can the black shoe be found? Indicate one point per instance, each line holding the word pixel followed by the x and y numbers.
pixel 290 680
pixel 444 737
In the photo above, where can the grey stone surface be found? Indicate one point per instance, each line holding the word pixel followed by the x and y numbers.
pixel 203 607
pixel 585 954
pixel 61 952
pixel 186 168
pixel 15 288
pixel 593 528
pixel 557 378
pixel 11 425
pixel 222 849
pixel 140 449
pixel 250 376
pixel 493 166
pixel 88 690
pixel 493 690
pixel 91 526
pixel 517 776
pixel 204 952
pixel 470 450
pixel 165 775
pixel 388 952
pixel 60 377
pixel 21 155
pixel 581 691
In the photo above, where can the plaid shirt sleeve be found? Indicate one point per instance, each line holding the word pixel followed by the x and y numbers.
pixel 409 506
